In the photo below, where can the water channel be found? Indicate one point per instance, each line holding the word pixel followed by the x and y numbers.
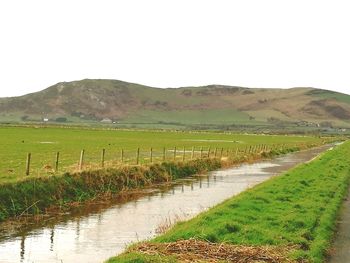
pixel 95 232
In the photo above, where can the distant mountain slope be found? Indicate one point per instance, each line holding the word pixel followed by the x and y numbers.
pixel 95 100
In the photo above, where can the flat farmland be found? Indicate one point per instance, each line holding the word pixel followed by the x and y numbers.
pixel 44 142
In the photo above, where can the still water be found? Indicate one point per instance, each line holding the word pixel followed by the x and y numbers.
pixel 96 232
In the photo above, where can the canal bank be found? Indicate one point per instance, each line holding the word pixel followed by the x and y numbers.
pixel 289 218
pixel 42 194
pixel 98 233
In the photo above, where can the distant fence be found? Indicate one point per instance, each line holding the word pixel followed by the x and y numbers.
pixel 141 156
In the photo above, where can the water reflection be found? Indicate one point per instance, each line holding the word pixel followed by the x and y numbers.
pixel 51 238
pixel 23 238
pixel 95 232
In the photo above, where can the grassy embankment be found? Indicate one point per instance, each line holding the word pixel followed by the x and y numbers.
pixel 34 194
pixel 37 195
pixel 297 210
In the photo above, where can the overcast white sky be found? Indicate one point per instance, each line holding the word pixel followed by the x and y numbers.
pixel 175 43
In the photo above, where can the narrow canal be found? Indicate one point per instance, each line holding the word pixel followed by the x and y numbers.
pixel 96 232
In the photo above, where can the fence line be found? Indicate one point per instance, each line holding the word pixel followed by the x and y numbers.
pixel 157 156
pixel 28 163
pixel 56 162
pixel 81 160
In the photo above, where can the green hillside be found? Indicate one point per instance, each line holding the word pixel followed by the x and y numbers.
pixel 91 101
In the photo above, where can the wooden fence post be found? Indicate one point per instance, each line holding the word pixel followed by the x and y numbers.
pixel 81 160
pixel 122 155
pixel 216 151
pixel 164 154
pixel 209 152
pixel 29 155
pixel 56 162
pixel 137 155
pixel 184 154
pixel 192 154
pixel 151 155
pixel 222 150
pixel 201 153
pixel 103 158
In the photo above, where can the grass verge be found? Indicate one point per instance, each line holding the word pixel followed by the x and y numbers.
pixel 297 209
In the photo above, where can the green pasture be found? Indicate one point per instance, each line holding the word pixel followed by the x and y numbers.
pixel 44 142
pixel 188 117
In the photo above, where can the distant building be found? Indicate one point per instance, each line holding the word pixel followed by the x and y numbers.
pixel 45 119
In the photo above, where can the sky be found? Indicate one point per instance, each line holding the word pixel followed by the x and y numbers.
pixel 162 43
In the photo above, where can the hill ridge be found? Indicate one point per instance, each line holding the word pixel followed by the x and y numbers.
pixel 93 100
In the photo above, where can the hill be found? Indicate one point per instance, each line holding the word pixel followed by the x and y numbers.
pixel 217 105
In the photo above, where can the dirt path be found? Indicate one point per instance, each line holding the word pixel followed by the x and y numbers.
pixel 340 252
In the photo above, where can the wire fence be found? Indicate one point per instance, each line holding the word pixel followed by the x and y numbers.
pixel 104 158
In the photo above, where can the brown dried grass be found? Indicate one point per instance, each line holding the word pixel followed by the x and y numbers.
pixel 169 222
pixel 193 250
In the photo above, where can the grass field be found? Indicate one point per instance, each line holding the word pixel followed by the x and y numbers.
pixel 297 209
pixel 187 117
pixel 43 143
